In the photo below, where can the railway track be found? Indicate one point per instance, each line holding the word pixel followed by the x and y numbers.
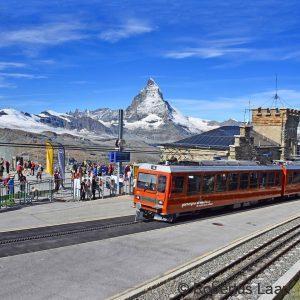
pixel 232 279
pixel 62 233
pixel 44 238
pixel 228 273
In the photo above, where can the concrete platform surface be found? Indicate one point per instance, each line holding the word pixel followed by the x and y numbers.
pixel 101 269
pixel 55 213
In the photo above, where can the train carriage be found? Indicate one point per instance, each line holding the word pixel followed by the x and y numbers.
pixel 292 175
pixel 164 192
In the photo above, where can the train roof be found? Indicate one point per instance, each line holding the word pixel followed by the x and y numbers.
pixel 187 169
pixel 293 167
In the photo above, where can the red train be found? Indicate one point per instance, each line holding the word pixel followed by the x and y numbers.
pixel 165 192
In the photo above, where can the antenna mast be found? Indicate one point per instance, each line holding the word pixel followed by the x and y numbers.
pixel 276 98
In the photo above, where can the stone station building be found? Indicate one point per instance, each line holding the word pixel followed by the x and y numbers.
pixel 272 135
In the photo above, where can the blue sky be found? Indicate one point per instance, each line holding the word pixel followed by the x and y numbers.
pixel 209 57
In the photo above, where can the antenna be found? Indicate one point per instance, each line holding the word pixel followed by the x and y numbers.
pixel 276 99
pixel 249 116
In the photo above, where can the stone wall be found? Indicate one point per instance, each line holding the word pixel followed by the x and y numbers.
pixel 191 154
pixel 243 148
pixel 279 125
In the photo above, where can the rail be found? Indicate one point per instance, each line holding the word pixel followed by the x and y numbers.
pixel 234 265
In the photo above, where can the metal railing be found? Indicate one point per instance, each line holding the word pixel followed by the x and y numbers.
pixel 25 193
pixel 66 190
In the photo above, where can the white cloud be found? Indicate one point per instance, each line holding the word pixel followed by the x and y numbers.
pixel 46 34
pixel 21 75
pixel 211 48
pixel 205 52
pixel 6 65
pixel 130 28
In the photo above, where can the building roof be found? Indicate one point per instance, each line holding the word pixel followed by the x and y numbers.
pixel 219 138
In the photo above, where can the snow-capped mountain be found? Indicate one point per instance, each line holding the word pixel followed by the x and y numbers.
pixel 149 117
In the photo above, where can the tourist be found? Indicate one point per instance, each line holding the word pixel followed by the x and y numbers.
pixel 88 189
pixel 19 170
pixel 56 180
pixel 7 164
pixel 32 167
pixel 39 172
pixel 11 185
pixel 1 171
pixel 94 187
pixel 22 184
pixel 82 189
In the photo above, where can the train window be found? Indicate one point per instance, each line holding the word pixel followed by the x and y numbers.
pixel 233 182
pixel 208 184
pixel 147 181
pixel 263 180
pixel 271 179
pixel 296 177
pixel 221 183
pixel 177 184
pixel 194 182
pixel 244 181
pixel 278 179
pixel 253 180
pixel 161 186
pixel 290 177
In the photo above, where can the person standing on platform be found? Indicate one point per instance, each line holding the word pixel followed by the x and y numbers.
pixel 39 172
pixel 19 170
pixel 11 185
pixel 88 189
pixel 82 189
pixel 1 171
pixel 56 181
pixel 7 164
pixel 110 169
pixel 94 187
pixel 32 168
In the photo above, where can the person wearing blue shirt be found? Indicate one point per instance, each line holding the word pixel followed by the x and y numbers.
pixel 11 185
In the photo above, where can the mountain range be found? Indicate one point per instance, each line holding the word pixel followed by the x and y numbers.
pixel 149 118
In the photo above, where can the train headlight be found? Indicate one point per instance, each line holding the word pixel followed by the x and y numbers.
pixel 160 202
pixel 138 197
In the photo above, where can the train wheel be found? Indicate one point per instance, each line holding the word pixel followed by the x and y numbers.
pixel 148 215
pixel 171 218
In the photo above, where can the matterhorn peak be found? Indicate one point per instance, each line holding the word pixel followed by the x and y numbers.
pixel 151 82
pixel 149 101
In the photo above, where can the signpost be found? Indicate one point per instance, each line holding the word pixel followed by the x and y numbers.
pixel 117 156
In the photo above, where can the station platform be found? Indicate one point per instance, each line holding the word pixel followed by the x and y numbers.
pixel 56 213
pixel 104 268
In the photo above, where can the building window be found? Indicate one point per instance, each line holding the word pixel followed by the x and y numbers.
pixel 221 183
pixel 208 184
pixel 177 184
pixel 194 184
pixel 233 180
pixel 253 180
pixel 161 186
pixel 244 181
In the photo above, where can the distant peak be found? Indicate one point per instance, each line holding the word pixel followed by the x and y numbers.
pixel 151 82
